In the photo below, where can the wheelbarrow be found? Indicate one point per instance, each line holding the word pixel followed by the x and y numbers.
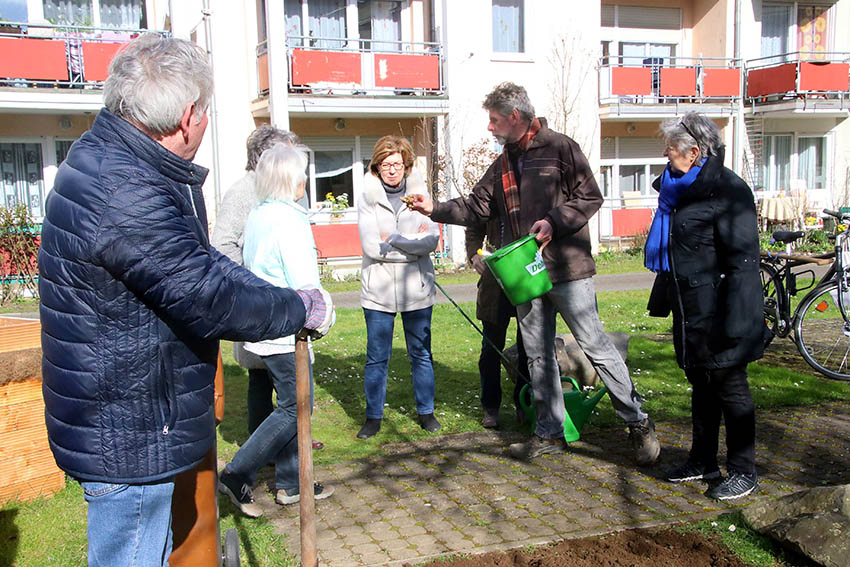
pixel 577 404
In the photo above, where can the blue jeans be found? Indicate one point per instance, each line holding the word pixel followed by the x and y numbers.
pixel 379 344
pixel 277 436
pixel 129 524
pixel 260 404
pixel 576 302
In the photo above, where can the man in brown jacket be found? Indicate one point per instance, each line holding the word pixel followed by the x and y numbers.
pixel 542 184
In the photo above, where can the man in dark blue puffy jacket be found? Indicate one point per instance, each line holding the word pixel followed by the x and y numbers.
pixel 134 301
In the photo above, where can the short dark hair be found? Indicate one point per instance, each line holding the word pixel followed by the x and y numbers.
pixel 506 97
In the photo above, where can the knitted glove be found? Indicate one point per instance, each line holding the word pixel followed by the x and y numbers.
pixel 321 314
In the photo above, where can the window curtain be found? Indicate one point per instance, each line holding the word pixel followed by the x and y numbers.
pixel 22 181
pixel 327 20
pixel 77 12
pixel 811 162
pixel 508 34
pixel 122 14
pixel 386 25
pixel 292 23
pixel 782 157
pixel 774 29
pixel 812 31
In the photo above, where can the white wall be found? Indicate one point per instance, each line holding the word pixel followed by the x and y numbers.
pixel 473 70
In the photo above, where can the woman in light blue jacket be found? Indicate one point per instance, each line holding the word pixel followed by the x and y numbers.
pixel 280 249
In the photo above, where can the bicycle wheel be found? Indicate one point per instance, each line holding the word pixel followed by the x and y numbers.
pixel 774 302
pixel 822 335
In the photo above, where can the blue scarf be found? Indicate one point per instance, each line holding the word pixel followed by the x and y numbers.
pixel 673 184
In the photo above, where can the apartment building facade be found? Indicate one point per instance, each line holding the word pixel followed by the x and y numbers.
pixel 773 74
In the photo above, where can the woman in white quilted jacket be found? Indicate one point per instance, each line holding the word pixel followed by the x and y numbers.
pixel 397 277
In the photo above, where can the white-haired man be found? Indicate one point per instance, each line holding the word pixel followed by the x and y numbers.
pixel 542 184
pixel 134 300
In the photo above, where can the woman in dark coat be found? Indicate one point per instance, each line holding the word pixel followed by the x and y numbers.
pixel 703 244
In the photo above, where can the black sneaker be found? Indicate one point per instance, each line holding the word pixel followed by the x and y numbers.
pixel 429 423
pixel 320 492
pixel 691 471
pixel 535 446
pixel 645 444
pixel 240 494
pixel 736 485
pixel 369 429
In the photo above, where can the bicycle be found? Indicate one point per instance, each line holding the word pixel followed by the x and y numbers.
pixel 820 323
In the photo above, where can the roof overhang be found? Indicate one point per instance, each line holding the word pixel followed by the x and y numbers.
pixel 40 101
pixel 323 106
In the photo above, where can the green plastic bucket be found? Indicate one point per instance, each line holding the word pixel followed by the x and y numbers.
pixel 519 269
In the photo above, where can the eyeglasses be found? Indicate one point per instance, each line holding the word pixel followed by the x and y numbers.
pixel 398 166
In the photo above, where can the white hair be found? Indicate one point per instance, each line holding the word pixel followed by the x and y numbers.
pixel 154 78
pixel 692 129
pixel 280 171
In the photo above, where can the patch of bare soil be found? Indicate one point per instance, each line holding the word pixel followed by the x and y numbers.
pixel 632 548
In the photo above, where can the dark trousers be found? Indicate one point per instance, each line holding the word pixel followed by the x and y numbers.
pixel 490 365
pixel 260 404
pixel 723 393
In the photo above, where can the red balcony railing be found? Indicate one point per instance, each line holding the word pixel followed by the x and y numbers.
pixel 43 55
pixel 799 74
pixel 653 80
pixel 358 67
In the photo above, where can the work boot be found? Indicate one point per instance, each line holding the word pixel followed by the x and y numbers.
pixel 535 446
pixel 491 418
pixel 644 442
pixel 369 429
pixel 429 423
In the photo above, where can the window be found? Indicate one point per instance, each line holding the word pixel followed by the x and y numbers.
pixel 630 164
pixel 62 148
pixel 22 178
pixel 811 162
pixel 77 12
pixel 292 22
pixel 327 22
pixel 122 14
pixel 776 169
pixel 784 30
pixel 13 10
pixel 334 174
pixel 508 26
pixel 380 20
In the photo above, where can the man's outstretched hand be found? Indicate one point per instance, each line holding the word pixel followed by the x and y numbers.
pixel 543 230
pixel 421 204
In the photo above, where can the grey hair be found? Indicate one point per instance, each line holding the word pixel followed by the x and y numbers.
pixel 506 97
pixel 264 138
pixel 692 129
pixel 154 78
pixel 280 171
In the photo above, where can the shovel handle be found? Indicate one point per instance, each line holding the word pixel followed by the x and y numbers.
pixel 309 557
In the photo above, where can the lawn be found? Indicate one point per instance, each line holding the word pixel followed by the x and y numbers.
pixel 52 531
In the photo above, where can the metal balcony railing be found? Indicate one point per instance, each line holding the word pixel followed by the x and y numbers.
pixel 66 56
pixel 667 80
pixel 344 66
pixel 799 75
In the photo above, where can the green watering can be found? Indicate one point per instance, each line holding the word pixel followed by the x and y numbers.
pixel 578 405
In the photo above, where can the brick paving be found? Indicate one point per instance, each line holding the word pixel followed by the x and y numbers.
pixel 463 494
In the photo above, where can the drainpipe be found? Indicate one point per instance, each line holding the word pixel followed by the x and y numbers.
pixel 213 114
pixel 738 132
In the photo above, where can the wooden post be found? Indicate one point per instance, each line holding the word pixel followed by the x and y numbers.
pixel 309 556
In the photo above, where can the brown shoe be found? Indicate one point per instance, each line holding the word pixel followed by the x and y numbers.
pixel 318 445
pixel 536 446
pixel 645 444
pixel 491 418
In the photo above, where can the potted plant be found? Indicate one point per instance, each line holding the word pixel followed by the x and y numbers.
pixel 338 204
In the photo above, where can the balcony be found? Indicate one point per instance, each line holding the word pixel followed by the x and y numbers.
pixel 44 66
pixel 360 76
pixel 810 82
pixel 655 87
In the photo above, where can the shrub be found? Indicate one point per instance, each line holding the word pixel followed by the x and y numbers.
pixel 19 242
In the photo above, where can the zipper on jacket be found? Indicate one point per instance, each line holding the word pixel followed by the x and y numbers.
pixel 678 290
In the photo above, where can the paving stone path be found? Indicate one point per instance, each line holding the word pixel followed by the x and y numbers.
pixel 463 494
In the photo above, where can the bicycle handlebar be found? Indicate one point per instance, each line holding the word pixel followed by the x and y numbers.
pixel 840 216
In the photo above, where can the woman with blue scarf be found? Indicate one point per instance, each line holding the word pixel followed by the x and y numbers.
pixel 703 244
